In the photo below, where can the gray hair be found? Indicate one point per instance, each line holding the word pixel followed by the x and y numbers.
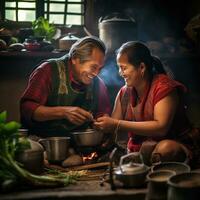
pixel 83 48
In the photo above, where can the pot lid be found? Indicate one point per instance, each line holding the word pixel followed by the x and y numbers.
pixel 131 168
pixel 70 37
pixel 117 17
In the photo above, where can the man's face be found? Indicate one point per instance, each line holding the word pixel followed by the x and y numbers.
pixel 86 71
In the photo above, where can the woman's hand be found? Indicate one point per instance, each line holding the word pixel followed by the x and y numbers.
pixel 105 124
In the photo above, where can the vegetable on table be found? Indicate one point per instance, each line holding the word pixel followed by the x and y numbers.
pixel 12 171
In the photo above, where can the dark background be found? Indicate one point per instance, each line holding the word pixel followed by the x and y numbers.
pixel 156 20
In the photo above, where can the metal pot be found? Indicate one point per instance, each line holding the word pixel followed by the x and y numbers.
pixel 184 186
pixel 33 158
pixel 56 148
pixel 157 184
pixel 115 29
pixel 178 167
pixel 66 42
pixel 88 137
pixel 132 174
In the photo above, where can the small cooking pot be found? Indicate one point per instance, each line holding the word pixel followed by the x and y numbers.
pixel 177 167
pixel 66 42
pixel 132 174
pixel 88 137
pixel 33 157
pixel 157 184
pixel 56 148
pixel 184 186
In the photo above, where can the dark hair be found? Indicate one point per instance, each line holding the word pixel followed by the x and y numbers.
pixel 137 52
pixel 82 48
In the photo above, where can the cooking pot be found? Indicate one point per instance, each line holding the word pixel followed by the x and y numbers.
pixel 56 148
pixel 32 158
pixel 177 167
pixel 132 174
pixel 66 42
pixel 115 29
pixel 88 137
pixel 157 184
pixel 184 186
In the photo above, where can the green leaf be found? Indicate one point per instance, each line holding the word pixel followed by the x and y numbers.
pixel 3 116
pixel 12 127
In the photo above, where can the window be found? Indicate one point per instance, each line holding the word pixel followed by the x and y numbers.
pixel 65 12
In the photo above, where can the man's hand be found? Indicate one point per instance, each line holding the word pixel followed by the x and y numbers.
pixel 77 115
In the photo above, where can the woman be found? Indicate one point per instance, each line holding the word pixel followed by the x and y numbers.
pixel 149 107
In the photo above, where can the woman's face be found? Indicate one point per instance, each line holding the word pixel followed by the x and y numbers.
pixel 129 72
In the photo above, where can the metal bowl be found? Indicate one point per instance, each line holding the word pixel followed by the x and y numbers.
pixel 88 137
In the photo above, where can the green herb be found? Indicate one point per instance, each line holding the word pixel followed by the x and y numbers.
pixel 42 28
pixel 10 170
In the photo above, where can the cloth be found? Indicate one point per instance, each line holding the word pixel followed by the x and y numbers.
pixel 160 86
pixel 42 85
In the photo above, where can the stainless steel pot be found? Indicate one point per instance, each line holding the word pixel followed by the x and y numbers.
pixel 132 174
pixel 56 148
pixel 157 184
pixel 115 29
pixel 88 137
pixel 32 158
pixel 184 186
pixel 66 42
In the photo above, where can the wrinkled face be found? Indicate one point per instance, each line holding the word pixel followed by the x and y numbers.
pixel 86 71
pixel 129 72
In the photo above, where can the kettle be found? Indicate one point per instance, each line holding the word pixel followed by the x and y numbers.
pixel 132 174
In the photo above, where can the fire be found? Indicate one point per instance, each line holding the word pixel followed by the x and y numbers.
pixel 89 157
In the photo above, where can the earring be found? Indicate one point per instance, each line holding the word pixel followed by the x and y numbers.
pixel 142 74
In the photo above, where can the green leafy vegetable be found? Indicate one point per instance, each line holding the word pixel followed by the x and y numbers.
pixel 10 170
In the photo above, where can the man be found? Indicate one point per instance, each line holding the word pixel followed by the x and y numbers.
pixel 65 94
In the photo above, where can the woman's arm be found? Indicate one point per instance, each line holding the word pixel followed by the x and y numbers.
pixel 164 112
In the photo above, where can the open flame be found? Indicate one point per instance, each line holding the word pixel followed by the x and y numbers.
pixel 90 157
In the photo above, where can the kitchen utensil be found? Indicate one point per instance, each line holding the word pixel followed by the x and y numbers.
pixel 184 186
pixel 115 29
pixel 33 158
pixel 66 42
pixel 88 137
pixel 178 167
pixel 157 184
pixel 56 148
pixel 132 174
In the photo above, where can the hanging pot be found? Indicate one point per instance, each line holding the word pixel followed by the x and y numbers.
pixel 132 174
pixel 115 29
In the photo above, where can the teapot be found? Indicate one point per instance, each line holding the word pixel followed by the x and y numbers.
pixel 132 174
